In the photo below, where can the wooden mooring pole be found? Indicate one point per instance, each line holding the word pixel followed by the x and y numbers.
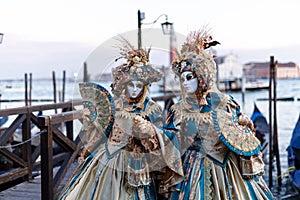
pixel 270 124
pixel 63 87
pixel 26 89
pixel 54 88
pixel 30 88
pixel 273 136
pixel 85 73
pixel 275 131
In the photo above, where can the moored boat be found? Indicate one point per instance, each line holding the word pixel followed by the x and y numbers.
pixel 262 130
pixel 3 120
pixel 294 157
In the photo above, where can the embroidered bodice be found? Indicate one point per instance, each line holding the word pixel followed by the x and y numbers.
pixel 197 131
pixel 212 129
pixel 122 128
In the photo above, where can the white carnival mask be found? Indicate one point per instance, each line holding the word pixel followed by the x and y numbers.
pixel 189 82
pixel 134 88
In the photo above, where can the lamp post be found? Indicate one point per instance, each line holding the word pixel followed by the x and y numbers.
pixel 167 28
pixel 1 37
pixel 141 16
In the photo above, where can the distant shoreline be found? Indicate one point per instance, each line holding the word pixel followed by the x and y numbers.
pixel 35 79
pixel 102 79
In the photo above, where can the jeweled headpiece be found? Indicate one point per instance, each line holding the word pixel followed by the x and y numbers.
pixel 196 57
pixel 193 52
pixel 136 67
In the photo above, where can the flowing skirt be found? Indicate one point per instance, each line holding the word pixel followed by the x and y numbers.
pixel 103 176
pixel 207 178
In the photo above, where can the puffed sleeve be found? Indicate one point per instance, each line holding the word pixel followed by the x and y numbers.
pixel 169 135
pixel 167 139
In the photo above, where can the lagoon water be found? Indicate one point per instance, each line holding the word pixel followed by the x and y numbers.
pixel 287 111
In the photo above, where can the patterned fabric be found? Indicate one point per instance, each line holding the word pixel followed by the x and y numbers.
pixel 211 161
pixel 124 167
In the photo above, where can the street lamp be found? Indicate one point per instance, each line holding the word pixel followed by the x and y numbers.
pixel 167 27
pixel 1 37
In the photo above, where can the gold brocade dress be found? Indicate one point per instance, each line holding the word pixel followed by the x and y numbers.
pixel 122 168
pixel 221 158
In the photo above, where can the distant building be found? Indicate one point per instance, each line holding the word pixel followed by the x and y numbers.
pixel 254 70
pixel 103 77
pixel 229 69
pixel 229 72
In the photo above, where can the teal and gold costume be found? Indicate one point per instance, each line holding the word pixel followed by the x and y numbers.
pixel 221 155
pixel 115 171
pixel 134 150
pixel 221 158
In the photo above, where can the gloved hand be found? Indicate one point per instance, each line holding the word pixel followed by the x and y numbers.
pixel 142 128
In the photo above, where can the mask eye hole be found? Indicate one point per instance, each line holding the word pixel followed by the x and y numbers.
pixel 190 77
pixel 139 85
pixel 130 84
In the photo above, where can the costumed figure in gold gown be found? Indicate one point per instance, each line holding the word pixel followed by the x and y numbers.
pixel 125 165
pixel 221 155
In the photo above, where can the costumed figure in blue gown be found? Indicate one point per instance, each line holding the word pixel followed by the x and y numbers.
pixel 221 155
pixel 127 164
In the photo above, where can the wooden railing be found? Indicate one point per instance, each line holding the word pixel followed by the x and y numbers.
pixel 28 162
pixel 50 124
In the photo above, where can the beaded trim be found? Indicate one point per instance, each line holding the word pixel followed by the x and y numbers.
pixel 154 108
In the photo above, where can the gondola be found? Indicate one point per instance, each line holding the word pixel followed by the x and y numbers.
pixel 262 130
pixel 3 120
pixel 294 157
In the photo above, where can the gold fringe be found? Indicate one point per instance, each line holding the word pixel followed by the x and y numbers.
pixel 154 108
pixel 197 117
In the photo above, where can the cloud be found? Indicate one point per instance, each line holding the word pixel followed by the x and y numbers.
pixel 18 57
pixel 41 58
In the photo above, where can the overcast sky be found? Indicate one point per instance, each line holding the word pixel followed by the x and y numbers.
pixel 41 36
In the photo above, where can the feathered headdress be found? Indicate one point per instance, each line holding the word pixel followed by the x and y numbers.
pixel 196 57
pixel 136 67
pixel 193 52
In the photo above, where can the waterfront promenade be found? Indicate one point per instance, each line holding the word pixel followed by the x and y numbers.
pixel 31 190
